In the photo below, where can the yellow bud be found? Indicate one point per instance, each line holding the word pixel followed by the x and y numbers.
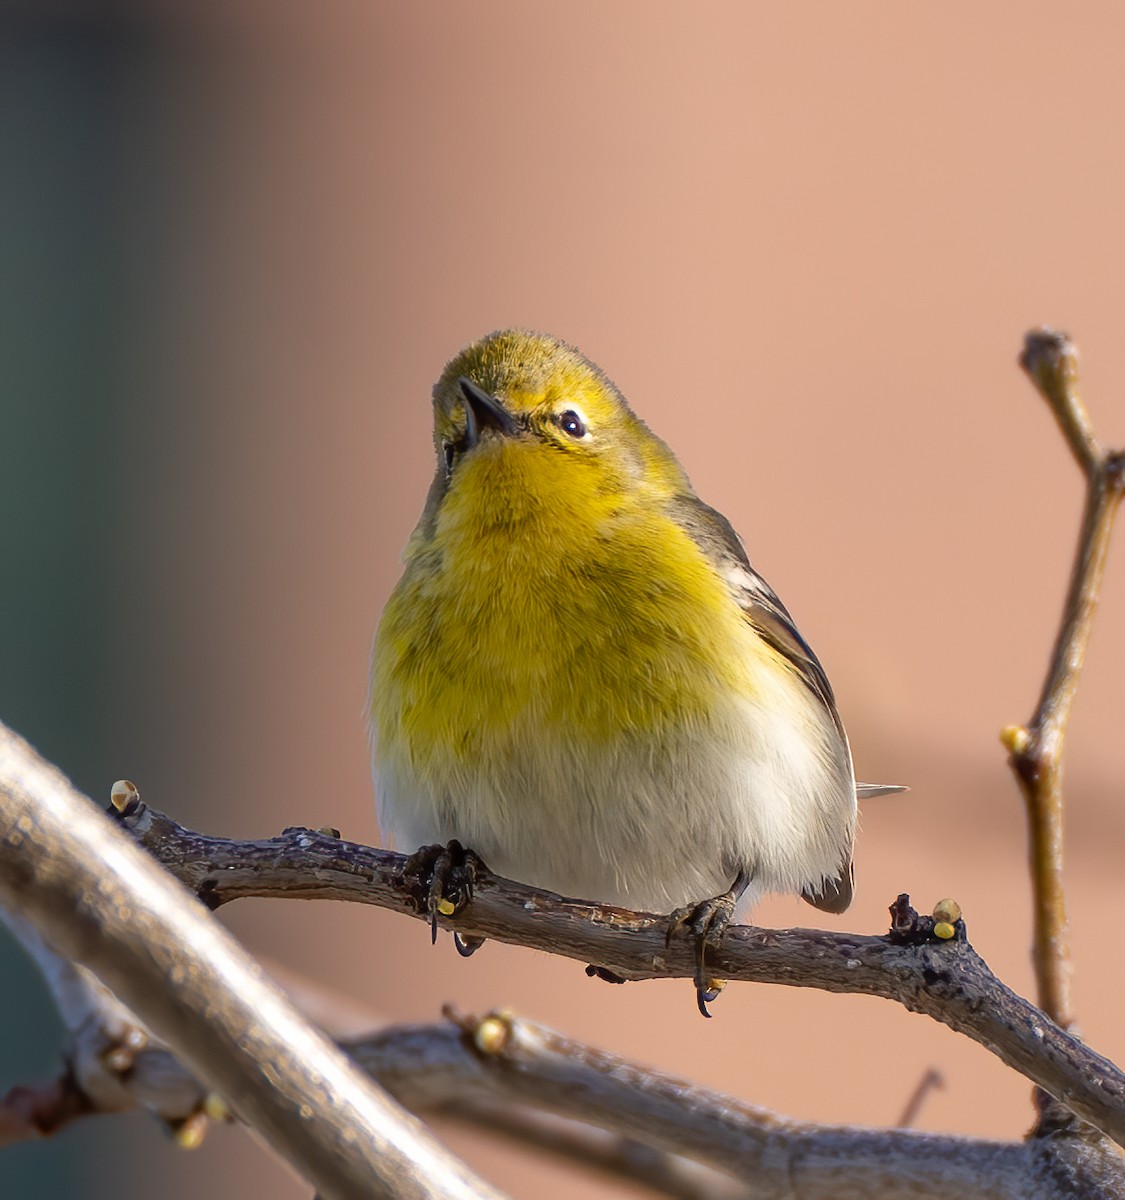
pixel 944 930
pixel 189 1134
pixel 328 831
pixel 947 910
pixel 1015 739
pixel 491 1035
pixel 446 907
pixel 216 1107
pixel 123 793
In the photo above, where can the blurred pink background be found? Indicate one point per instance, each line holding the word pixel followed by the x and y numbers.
pixel 806 242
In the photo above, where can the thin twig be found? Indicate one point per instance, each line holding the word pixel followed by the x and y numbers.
pixel 947 980
pixel 931 1081
pixel 1051 361
pixel 42 1110
pixel 113 1062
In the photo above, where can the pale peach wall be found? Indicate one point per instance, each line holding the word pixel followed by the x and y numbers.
pixel 805 240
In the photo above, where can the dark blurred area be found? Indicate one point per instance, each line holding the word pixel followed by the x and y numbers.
pixel 239 242
pixel 67 92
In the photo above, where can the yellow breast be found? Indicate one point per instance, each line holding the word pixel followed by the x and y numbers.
pixel 544 610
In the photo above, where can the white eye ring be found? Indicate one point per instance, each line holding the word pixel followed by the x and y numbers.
pixel 572 421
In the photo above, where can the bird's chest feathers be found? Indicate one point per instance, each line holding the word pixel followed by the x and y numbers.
pixel 566 610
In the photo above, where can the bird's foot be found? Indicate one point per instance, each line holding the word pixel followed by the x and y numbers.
pixel 708 921
pixel 445 878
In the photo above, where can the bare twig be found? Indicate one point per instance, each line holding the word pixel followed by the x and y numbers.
pixel 439 1068
pixel 42 1110
pixel 1051 361
pixel 113 1062
pixel 947 980
pixel 931 1081
pixel 98 900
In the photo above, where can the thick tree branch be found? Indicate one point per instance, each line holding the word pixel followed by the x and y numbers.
pixel 1051 361
pixel 946 980
pixel 528 1064
pixel 98 900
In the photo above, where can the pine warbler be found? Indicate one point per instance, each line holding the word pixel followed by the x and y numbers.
pixel 581 677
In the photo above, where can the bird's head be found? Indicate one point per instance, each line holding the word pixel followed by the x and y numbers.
pixel 525 410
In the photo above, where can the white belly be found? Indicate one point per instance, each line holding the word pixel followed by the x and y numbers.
pixel 764 785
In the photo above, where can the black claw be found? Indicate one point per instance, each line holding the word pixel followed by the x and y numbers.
pixel 705 995
pixel 467 946
pixel 445 876
pixel 707 921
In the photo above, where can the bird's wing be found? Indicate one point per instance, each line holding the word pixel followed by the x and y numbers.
pixel 716 537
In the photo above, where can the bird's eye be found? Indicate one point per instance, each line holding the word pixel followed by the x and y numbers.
pixel 571 423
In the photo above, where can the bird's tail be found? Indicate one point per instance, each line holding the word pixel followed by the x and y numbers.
pixel 867 791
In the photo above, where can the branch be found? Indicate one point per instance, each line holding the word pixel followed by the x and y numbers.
pixel 622 1158
pixel 946 980
pixel 1051 361
pixel 97 899
pixel 527 1064
pixel 113 1063
pixel 528 1083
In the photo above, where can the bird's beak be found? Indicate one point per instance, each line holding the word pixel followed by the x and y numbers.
pixel 483 411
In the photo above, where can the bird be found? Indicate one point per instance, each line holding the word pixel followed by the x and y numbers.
pixel 580 675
